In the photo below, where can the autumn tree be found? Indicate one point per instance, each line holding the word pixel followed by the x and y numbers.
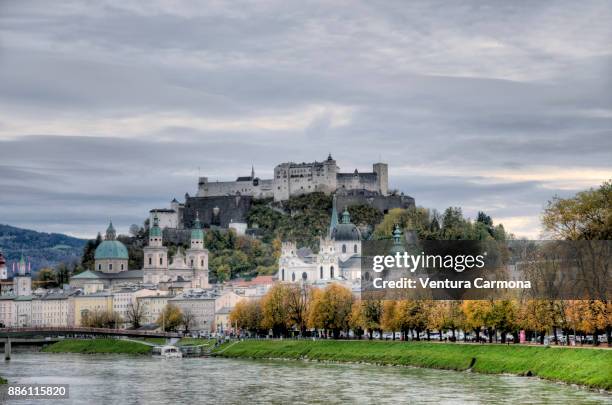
pixel 390 320
pixel 171 318
pixel 248 315
pixel 275 311
pixel 331 309
pixel 356 319
pixel 297 301
pixel 476 313
pixel 101 319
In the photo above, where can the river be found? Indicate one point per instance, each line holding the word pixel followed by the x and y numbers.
pixel 119 379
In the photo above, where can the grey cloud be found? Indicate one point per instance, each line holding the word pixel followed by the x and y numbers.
pixel 472 86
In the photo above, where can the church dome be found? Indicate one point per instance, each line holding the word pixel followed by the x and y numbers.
pixel 346 230
pixel 111 249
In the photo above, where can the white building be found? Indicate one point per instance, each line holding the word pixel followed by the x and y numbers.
pixel 292 179
pixel 338 260
pixel 200 306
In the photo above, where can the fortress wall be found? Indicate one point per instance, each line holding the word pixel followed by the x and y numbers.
pixel 263 188
pixel 358 181
pixel 231 209
pixel 382 203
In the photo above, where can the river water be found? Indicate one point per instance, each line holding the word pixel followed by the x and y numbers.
pixel 119 379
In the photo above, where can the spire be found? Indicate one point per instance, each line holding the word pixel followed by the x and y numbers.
pixel 252 172
pixel 22 265
pixel 346 217
pixel 329 157
pixel 155 230
pixel 197 235
pixel 397 234
pixel 334 217
pixel 111 234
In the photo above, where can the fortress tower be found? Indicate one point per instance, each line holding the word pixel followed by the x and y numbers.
pixel 382 177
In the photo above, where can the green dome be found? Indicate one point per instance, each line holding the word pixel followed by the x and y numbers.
pixel 111 249
pixel 196 231
pixel 155 230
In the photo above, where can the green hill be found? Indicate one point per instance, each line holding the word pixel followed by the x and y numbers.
pixel 41 248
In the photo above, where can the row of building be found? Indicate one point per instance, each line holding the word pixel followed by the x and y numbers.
pixel 112 287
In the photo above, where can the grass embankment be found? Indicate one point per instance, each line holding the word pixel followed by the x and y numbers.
pixel 91 346
pixel 592 368
pixel 196 342
pixel 3 381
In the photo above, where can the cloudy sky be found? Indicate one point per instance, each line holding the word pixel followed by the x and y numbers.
pixel 110 108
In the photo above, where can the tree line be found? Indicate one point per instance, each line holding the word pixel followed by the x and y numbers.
pixel 299 310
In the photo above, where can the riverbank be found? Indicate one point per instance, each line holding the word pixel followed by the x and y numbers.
pixel 591 368
pixel 95 346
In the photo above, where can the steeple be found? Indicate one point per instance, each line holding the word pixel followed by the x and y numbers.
pixel 22 266
pixel 197 235
pixel 155 233
pixel 111 234
pixel 397 235
pixel 334 217
pixel 346 217
pixel 252 172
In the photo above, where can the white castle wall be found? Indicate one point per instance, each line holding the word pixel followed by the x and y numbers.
pixel 293 179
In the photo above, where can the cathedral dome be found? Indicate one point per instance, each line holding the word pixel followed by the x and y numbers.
pixel 111 248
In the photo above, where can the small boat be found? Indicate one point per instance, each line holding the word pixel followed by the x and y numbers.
pixel 170 352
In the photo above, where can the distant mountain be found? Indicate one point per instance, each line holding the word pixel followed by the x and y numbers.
pixel 40 248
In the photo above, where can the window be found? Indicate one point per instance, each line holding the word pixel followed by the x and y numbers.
pixel 202 263
pixel 304 276
pixel 321 272
pixel 292 276
pixel 122 266
pixel 355 249
pixel 283 274
pixel 99 267
pixel 191 262
pixel 331 272
pixel 110 266
pixel 343 248
pixel 161 261
pixel 150 261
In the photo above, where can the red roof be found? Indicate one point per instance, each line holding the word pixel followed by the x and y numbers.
pixel 259 280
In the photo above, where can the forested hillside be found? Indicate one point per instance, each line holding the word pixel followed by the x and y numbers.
pixel 40 248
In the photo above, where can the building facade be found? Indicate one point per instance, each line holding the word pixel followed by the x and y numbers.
pixel 338 259
pixel 293 179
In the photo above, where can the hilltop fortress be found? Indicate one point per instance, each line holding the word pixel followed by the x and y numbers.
pixel 225 204
pixel 293 179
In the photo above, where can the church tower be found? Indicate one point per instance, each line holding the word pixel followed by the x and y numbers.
pixel 3 268
pixel 155 255
pixel 22 282
pixel 197 256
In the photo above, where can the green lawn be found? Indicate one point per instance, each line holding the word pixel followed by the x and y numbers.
pixel 97 346
pixel 196 342
pixel 590 367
